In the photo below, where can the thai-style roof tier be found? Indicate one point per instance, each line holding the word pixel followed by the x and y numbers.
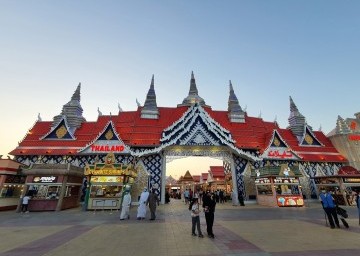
pixel 135 131
pixel 170 180
pixel 217 172
pixel 187 177
pixel 151 129
pixel 196 178
pixel 203 177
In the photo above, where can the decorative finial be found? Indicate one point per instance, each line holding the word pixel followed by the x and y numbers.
pixel 320 128
pixel 259 114
pixel 39 118
pixel 152 82
pixel 99 112
pixel 138 103
pixel 120 109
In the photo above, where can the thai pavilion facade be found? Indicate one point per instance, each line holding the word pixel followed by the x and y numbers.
pixel 150 136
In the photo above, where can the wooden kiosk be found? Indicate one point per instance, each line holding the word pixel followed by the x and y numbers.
pixel 343 186
pixel 106 183
pixel 278 186
pixel 52 187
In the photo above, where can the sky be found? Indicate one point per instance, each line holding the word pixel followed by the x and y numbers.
pixel 270 50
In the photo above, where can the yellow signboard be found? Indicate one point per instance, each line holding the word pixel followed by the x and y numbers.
pixel 118 179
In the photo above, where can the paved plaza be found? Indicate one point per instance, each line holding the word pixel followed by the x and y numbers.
pixel 250 230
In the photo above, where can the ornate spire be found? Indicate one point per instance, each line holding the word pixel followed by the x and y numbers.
pixel 193 90
pixel 236 114
pixel 72 111
pixel 341 126
pixel 39 118
pixel 193 96
pixel 150 109
pixel 76 95
pixel 296 120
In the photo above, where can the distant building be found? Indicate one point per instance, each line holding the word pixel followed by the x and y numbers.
pixel 346 139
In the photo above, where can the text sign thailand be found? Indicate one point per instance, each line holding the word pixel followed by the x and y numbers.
pixel 45 179
pixel 107 148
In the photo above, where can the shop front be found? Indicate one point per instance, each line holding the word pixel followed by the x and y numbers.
pixel 278 186
pixel 11 184
pixel 343 186
pixel 52 188
pixel 106 183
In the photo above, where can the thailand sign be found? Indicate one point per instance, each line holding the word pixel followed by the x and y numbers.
pixel 106 146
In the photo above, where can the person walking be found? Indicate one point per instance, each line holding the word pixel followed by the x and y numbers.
pixel 125 206
pixel 195 217
pixel 141 211
pixel 329 206
pixel 152 201
pixel 209 204
pixel 25 204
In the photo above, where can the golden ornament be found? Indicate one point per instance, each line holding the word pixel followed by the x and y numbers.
pixel 61 132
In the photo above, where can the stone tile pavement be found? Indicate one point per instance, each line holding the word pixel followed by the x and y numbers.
pixel 249 231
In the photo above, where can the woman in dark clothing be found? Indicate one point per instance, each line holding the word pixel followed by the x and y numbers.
pixel 209 204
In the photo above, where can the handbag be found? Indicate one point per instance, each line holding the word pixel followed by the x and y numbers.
pixel 342 212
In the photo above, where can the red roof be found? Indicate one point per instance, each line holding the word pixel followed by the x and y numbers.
pixel 135 131
pixel 196 178
pixel 217 172
pixel 204 176
pixel 348 170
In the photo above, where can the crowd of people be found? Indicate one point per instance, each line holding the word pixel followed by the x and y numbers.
pixel 205 202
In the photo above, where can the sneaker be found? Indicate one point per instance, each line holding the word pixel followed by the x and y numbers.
pixel 194 234
pixel 201 236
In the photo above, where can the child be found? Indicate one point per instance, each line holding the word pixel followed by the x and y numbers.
pixel 195 212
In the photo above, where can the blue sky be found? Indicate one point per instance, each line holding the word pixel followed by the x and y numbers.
pixel 270 50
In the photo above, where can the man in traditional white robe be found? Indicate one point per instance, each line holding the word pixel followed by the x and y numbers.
pixel 141 211
pixel 125 206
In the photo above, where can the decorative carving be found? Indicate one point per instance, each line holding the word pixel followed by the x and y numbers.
pixel 61 132
pixel 276 142
pixel 109 135
pixel 309 140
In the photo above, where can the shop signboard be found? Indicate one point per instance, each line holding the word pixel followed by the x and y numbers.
pixel 45 179
pixel 283 201
pixel 351 180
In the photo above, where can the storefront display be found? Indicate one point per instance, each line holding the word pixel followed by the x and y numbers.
pixel 278 186
pixel 106 183
pixel 343 186
pixel 53 189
